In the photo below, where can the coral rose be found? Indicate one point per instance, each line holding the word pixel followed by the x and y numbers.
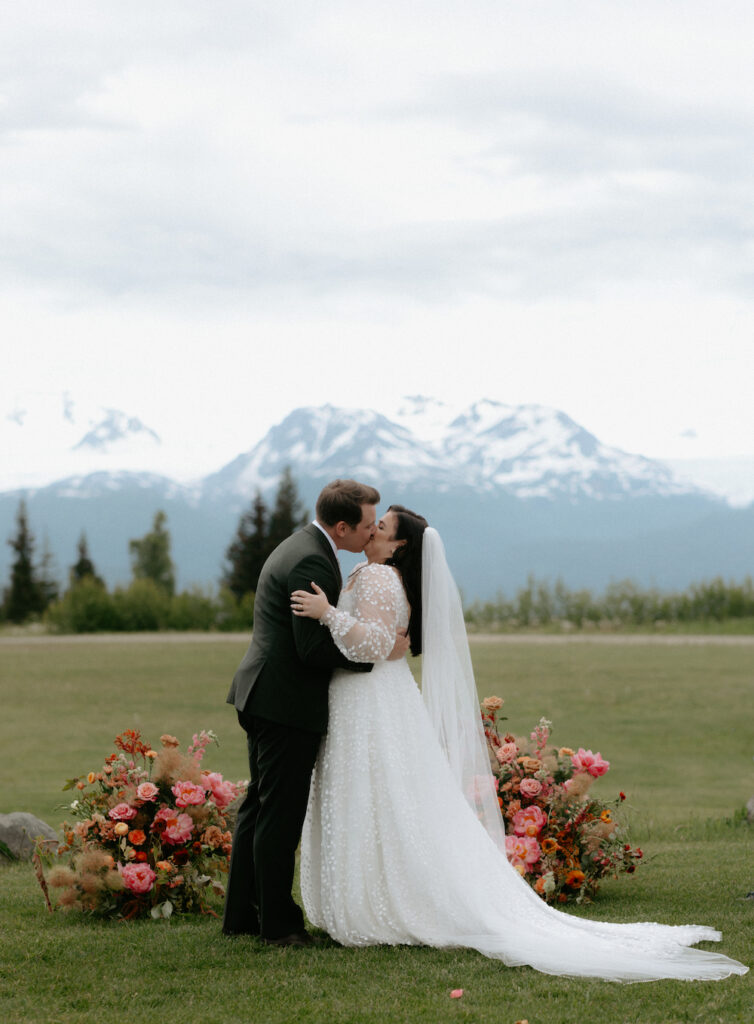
pixel 506 753
pixel 121 812
pixel 137 837
pixel 529 821
pixel 178 829
pixel 147 791
pixel 188 794
pixel 138 878
pixel 530 788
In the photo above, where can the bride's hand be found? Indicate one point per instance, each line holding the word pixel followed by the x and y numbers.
pixel 309 606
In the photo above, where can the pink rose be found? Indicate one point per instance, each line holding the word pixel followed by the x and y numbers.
pixel 137 877
pixel 528 821
pixel 530 788
pixel 147 791
pixel 188 794
pixel 178 829
pixel 507 752
pixel 223 792
pixel 586 761
pixel 122 812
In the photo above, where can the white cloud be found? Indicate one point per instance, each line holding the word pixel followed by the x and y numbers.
pixel 214 213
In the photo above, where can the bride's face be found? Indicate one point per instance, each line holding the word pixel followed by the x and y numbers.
pixel 383 543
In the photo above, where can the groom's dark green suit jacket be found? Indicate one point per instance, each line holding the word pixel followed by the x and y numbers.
pixel 285 673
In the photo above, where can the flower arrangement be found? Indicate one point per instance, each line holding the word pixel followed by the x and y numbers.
pixel 560 839
pixel 151 834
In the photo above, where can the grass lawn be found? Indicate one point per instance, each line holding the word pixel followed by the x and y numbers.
pixel 675 722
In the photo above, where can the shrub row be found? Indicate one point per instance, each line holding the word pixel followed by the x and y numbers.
pixel 88 607
pixel 622 603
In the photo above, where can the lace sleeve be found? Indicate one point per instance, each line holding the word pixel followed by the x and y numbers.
pixel 368 634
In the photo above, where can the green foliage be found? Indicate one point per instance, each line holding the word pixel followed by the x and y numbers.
pixel 259 532
pixel 150 556
pixel 86 607
pixel 84 566
pixel 25 596
pixel 623 603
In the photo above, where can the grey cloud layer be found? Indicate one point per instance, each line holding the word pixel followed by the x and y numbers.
pixel 633 186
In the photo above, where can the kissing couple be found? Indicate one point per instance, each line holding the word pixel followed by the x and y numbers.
pixel 389 789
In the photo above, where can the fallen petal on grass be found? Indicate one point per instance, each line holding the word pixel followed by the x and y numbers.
pixel 456 993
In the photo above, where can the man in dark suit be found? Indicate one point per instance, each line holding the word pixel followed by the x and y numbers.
pixel 280 694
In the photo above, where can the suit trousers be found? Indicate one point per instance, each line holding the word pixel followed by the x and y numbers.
pixel 268 829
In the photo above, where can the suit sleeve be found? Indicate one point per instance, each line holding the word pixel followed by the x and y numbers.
pixel 314 645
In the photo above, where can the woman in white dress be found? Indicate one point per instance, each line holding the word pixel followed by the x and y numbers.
pixel 393 852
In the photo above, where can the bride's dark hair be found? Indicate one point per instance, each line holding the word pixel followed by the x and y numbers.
pixel 407 559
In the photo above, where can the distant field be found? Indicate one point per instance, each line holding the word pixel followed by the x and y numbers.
pixel 674 719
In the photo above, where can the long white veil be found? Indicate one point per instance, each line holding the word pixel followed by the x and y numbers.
pixel 448 686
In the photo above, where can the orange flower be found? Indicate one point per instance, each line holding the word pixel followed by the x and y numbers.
pixel 91 777
pixel 574 879
pixel 136 836
pixel 168 741
pixel 549 846
pixel 539 885
pixel 164 865
pixel 606 816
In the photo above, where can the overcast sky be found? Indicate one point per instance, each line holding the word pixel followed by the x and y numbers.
pixel 211 213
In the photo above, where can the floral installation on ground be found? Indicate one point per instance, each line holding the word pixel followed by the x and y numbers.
pixel 151 836
pixel 558 837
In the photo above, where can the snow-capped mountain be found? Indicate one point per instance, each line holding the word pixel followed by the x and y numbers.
pixel 47 436
pixel 527 451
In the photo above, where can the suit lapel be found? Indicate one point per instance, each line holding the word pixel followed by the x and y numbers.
pixel 324 543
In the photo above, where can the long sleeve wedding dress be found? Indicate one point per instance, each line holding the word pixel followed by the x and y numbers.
pixel 393 853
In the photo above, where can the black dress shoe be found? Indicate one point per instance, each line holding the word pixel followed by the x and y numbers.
pixel 296 939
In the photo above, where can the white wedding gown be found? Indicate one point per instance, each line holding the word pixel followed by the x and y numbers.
pixel 392 852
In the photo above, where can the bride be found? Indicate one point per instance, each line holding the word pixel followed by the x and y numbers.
pixel 393 851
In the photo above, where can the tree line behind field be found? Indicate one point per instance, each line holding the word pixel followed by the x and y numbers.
pixel 150 600
pixel 541 604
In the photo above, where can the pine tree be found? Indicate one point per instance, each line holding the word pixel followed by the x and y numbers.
pixel 24 597
pixel 288 515
pixel 150 556
pixel 248 550
pixel 84 566
pixel 47 575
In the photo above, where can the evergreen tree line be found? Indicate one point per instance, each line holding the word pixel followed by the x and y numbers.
pixel 150 601
pixel 623 603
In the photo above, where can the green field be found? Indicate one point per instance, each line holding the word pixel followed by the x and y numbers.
pixel 674 720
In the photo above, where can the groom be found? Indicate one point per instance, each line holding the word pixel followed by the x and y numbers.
pixel 280 695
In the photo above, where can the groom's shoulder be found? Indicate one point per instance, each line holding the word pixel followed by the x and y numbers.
pixel 302 544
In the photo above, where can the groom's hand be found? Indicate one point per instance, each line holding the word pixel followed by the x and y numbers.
pixel 400 650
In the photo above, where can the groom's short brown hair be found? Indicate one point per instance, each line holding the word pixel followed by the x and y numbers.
pixel 341 501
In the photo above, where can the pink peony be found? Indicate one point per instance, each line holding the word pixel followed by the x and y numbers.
pixel 223 792
pixel 137 877
pixel 122 812
pixel 507 752
pixel 586 761
pixel 523 851
pixel 528 821
pixel 147 791
pixel 530 788
pixel 178 829
pixel 188 794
